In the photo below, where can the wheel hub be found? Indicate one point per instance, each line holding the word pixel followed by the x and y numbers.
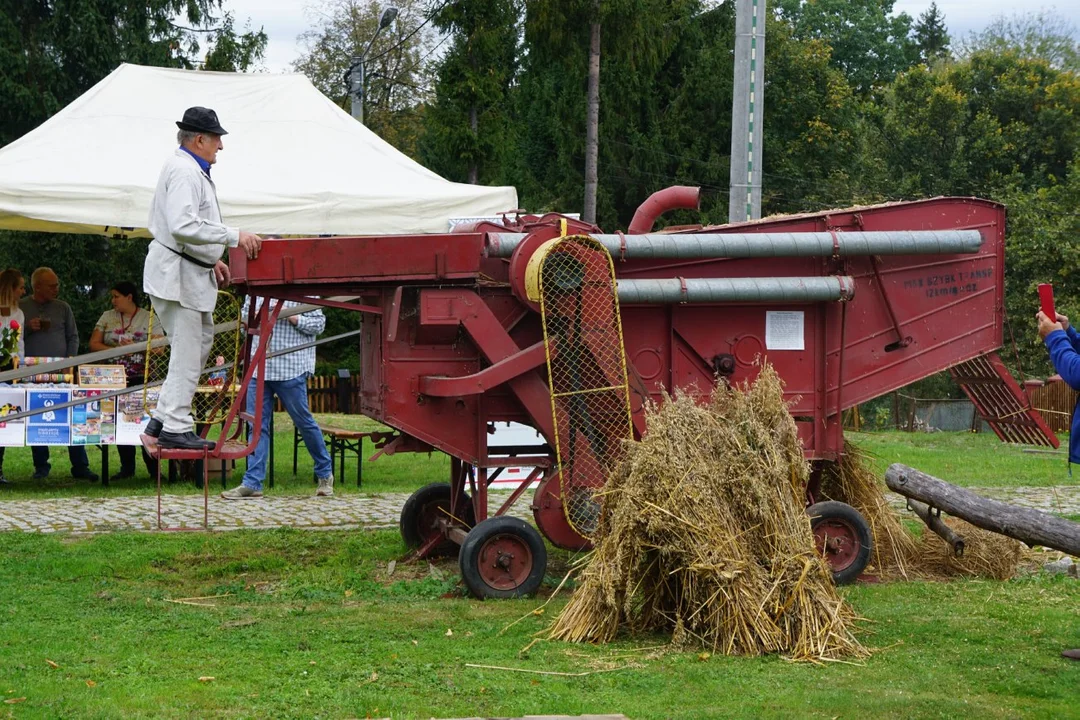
pixel 838 542
pixel 505 562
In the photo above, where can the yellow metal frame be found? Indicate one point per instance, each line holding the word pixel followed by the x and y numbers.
pixel 534 274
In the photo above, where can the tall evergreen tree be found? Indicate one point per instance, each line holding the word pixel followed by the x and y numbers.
pixel 50 53
pixel 869 44
pixel 467 128
pixel 665 112
pixel 639 80
pixel 931 35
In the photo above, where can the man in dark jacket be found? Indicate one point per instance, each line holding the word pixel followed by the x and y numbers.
pixel 51 332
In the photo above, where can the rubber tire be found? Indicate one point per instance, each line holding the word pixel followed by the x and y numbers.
pixel 833 510
pixel 409 523
pixel 468 559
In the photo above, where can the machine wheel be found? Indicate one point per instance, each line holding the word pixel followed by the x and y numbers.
pixel 503 557
pixel 842 535
pixel 423 508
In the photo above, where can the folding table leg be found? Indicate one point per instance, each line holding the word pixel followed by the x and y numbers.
pixel 341 451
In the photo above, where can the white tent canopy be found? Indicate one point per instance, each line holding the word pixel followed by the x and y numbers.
pixel 293 163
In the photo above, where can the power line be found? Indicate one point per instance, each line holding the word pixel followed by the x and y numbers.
pixel 432 50
pixel 415 30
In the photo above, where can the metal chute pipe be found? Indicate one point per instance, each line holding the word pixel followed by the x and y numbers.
pixel 662 291
pixel 695 246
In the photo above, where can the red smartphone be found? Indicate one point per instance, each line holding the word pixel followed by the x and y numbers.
pixel 1046 301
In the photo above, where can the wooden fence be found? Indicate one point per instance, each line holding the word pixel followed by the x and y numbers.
pixel 332 394
pixel 1055 402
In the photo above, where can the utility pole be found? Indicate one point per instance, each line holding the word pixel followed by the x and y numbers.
pixel 592 120
pixel 747 110
pixel 356 88
pixel 355 76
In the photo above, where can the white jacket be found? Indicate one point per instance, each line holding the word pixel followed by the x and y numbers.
pixel 185 217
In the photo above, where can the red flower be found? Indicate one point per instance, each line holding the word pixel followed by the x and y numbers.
pixel 14 325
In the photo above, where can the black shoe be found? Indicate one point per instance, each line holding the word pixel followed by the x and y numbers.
pixel 85 474
pixel 4 480
pixel 42 472
pixel 122 475
pixel 183 441
pixel 153 428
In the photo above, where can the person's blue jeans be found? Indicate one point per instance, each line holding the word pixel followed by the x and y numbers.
pixel 293 395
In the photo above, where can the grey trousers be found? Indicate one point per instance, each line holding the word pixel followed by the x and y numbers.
pixel 191 334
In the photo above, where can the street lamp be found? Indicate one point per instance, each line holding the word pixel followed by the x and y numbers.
pixel 356 69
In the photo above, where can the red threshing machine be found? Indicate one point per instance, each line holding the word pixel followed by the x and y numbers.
pixel 457 334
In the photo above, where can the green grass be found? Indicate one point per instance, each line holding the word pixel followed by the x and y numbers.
pixel 967 459
pixel 390 473
pixel 312 626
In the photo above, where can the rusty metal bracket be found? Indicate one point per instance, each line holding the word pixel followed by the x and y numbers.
pixel 902 340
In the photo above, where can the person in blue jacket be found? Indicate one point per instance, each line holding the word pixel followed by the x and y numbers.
pixel 1063 342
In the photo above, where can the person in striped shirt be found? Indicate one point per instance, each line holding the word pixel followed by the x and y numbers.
pixel 286 380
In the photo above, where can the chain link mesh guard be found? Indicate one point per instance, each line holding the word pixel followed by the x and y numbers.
pixel 218 384
pixel 590 398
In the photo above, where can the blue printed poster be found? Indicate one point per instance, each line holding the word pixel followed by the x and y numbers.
pixel 52 427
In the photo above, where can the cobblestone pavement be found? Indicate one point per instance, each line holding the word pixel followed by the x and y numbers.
pixel 342 511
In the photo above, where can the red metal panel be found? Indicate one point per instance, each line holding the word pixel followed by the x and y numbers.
pixel 357 261
pixel 950 307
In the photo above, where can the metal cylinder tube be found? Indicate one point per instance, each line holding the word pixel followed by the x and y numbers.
pixel 736 290
pixel 695 246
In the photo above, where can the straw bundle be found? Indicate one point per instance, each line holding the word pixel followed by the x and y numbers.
pixel 986 554
pixel 854 481
pixel 896 552
pixel 704 535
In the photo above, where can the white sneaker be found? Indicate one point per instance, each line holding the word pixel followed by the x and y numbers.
pixel 241 492
pixel 326 487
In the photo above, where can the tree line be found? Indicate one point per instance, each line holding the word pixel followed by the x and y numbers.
pixel 861 105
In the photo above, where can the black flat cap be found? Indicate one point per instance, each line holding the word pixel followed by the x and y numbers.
pixel 201 120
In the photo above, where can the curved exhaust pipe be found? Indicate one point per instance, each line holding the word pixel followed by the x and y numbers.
pixel 676 197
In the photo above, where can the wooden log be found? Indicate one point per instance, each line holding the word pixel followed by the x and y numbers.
pixel 935 523
pixel 1029 526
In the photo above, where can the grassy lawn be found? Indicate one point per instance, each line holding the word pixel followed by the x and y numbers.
pixel 967 459
pixel 311 625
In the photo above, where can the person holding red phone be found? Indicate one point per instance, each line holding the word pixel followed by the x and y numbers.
pixel 1063 342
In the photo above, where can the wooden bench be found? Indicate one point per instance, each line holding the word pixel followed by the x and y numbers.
pixel 338 442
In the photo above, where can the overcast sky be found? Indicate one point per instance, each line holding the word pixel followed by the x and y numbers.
pixel 285 20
